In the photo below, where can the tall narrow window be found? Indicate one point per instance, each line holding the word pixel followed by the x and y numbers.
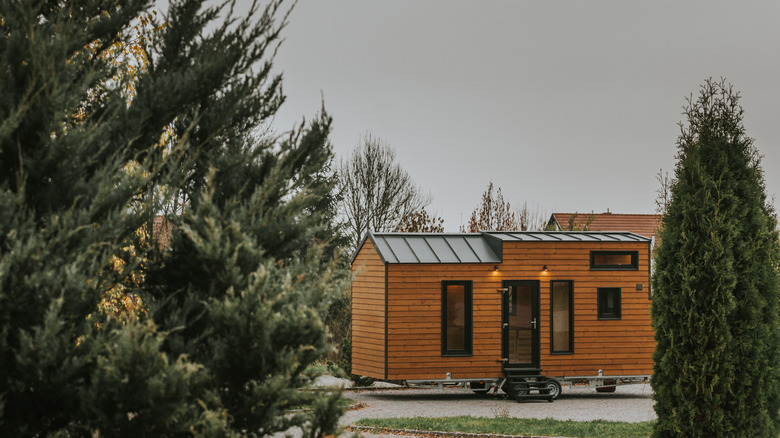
pixel 609 303
pixel 562 316
pixel 456 325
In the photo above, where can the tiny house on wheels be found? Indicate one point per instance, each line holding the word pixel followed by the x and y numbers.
pixel 524 312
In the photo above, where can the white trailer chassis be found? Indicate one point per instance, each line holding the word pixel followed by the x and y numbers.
pixel 599 382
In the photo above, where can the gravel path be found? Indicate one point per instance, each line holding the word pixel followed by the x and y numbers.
pixel 630 403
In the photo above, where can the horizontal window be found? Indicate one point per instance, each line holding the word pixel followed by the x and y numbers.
pixel 614 260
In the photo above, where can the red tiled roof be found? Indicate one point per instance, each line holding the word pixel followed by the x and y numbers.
pixel 642 224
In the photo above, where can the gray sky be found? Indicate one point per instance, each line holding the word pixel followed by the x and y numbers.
pixel 570 106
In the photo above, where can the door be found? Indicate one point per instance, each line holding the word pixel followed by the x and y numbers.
pixel 520 333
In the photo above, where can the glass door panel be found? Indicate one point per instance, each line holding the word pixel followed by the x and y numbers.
pixel 520 326
pixel 521 313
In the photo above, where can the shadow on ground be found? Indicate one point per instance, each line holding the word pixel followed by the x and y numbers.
pixel 579 394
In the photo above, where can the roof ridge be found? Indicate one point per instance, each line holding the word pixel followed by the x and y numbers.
pixel 613 214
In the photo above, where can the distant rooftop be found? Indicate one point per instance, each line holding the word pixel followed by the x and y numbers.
pixel 486 247
pixel 642 224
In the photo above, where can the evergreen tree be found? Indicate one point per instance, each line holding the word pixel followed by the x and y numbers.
pixel 233 306
pixel 716 290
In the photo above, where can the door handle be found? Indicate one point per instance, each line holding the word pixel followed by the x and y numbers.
pixel 534 323
pixel 506 325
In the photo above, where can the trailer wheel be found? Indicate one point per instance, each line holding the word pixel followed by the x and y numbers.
pixel 512 389
pixel 552 388
pixel 520 389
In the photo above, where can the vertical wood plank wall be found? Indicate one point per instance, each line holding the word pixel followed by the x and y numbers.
pixel 618 347
pixel 414 322
pixel 368 313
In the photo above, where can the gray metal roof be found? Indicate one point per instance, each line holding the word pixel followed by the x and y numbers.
pixel 476 247
pixel 567 236
pixel 434 248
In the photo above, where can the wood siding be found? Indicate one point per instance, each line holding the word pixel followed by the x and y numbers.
pixel 618 347
pixel 414 322
pixel 368 313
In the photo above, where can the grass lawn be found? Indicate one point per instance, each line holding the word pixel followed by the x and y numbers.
pixel 515 426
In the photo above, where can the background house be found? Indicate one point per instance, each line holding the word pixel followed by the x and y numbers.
pixel 643 224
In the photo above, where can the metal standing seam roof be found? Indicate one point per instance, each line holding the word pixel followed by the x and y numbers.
pixel 475 247
pixel 567 236
pixel 434 248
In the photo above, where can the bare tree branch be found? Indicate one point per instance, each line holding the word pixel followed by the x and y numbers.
pixel 664 192
pixel 494 214
pixel 376 193
pixel 421 222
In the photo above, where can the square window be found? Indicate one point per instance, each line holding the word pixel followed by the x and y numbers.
pixel 609 303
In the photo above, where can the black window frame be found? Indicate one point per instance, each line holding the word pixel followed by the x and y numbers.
pixel 602 313
pixel 468 335
pixel 634 266
pixel 571 318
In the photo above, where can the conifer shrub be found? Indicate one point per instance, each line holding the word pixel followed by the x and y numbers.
pixel 232 303
pixel 716 289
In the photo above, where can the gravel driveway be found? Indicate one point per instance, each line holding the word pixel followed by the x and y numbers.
pixel 630 403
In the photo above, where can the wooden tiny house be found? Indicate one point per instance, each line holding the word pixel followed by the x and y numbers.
pixel 564 306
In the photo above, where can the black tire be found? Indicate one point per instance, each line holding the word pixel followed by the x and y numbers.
pixel 520 389
pixel 553 388
pixel 509 388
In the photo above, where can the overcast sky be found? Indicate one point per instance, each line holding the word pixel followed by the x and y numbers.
pixel 570 106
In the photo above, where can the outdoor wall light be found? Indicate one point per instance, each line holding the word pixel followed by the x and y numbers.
pixel 544 268
pixel 495 268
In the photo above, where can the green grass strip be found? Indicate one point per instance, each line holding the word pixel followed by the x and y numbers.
pixel 515 426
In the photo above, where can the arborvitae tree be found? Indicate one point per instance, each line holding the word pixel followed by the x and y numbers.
pixel 716 289
pixel 233 307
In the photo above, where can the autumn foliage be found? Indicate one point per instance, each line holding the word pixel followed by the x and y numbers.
pixel 493 214
pixel 421 222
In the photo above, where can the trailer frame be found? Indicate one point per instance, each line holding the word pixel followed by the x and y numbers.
pixel 600 382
